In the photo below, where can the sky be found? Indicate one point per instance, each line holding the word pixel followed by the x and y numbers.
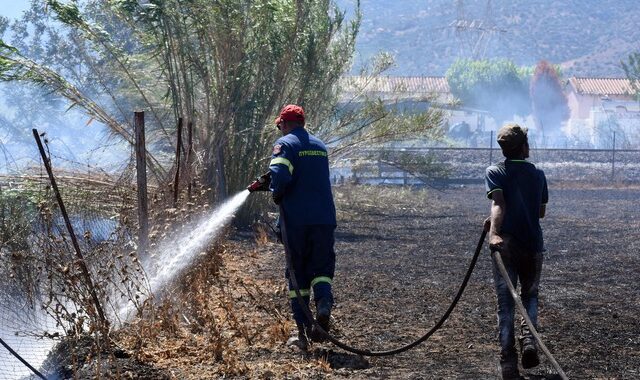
pixel 13 8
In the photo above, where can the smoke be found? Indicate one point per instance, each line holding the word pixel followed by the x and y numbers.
pixel 74 140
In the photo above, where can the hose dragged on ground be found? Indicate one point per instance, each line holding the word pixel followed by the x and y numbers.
pixel 365 352
pixel 496 257
pixel 516 298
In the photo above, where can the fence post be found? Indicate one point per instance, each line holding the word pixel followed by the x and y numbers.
pixel 613 157
pixel 491 149
pixel 141 178
pixel 176 179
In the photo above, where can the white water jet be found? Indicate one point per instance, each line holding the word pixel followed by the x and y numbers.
pixel 167 262
pixel 171 262
pixel 175 255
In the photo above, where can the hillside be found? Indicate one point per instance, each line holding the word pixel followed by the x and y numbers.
pixel 588 37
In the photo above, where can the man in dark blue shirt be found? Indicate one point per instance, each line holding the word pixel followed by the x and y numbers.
pixel 300 184
pixel 519 194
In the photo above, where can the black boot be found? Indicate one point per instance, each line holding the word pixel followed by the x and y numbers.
pixel 299 339
pixel 509 365
pixel 529 351
pixel 323 316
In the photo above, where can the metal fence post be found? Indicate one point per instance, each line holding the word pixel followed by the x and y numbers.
pixel 613 157
pixel 189 157
pixel 74 241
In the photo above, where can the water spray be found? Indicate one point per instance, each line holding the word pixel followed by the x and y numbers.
pixel 179 253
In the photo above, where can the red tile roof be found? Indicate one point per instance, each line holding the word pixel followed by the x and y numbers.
pixel 388 84
pixel 430 85
pixel 602 86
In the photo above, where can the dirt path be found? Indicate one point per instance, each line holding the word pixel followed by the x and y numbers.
pixel 401 255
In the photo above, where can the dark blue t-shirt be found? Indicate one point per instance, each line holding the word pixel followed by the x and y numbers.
pixel 300 171
pixel 525 190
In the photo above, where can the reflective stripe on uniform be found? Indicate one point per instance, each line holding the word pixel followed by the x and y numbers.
pixel 303 292
pixel 283 161
pixel 320 279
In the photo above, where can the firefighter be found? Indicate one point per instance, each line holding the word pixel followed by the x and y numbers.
pixel 519 195
pixel 300 183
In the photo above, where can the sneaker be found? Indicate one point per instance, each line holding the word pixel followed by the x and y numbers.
pixel 299 340
pixel 509 366
pixel 529 351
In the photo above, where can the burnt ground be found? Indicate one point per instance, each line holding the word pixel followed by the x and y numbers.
pixel 401 255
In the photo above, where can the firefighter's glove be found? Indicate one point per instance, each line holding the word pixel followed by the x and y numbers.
pixel 261 183
pixel 277 197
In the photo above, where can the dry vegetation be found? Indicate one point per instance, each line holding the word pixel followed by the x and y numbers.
pixel 401 256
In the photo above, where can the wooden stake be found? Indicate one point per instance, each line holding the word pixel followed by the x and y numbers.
pixel 141 178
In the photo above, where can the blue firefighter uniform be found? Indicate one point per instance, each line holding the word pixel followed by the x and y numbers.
pixel 300 177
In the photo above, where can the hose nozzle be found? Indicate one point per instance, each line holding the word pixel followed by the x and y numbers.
pixel 261 183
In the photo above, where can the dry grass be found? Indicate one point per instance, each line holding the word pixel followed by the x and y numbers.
pixel 210 320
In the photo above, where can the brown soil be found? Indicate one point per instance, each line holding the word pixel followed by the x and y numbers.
pixel 401 255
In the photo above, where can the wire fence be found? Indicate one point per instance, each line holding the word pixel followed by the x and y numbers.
pixel 72 252
pixel 43 296
pixel 445 165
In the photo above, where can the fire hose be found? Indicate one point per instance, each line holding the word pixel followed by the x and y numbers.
pixel 262 183
pixel 365 352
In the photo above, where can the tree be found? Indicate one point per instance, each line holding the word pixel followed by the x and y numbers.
pixel 497 86
pixel 548 101
pixel 228 66
pixel 632 70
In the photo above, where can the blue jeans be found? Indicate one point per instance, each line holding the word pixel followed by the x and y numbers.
pixel 524 266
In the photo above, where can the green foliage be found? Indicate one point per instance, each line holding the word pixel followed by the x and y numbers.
pixel 497 86
pixel 68 13
pixel 632 71
pixel 18 210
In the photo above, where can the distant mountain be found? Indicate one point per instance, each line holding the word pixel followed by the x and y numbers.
pixel 587 37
